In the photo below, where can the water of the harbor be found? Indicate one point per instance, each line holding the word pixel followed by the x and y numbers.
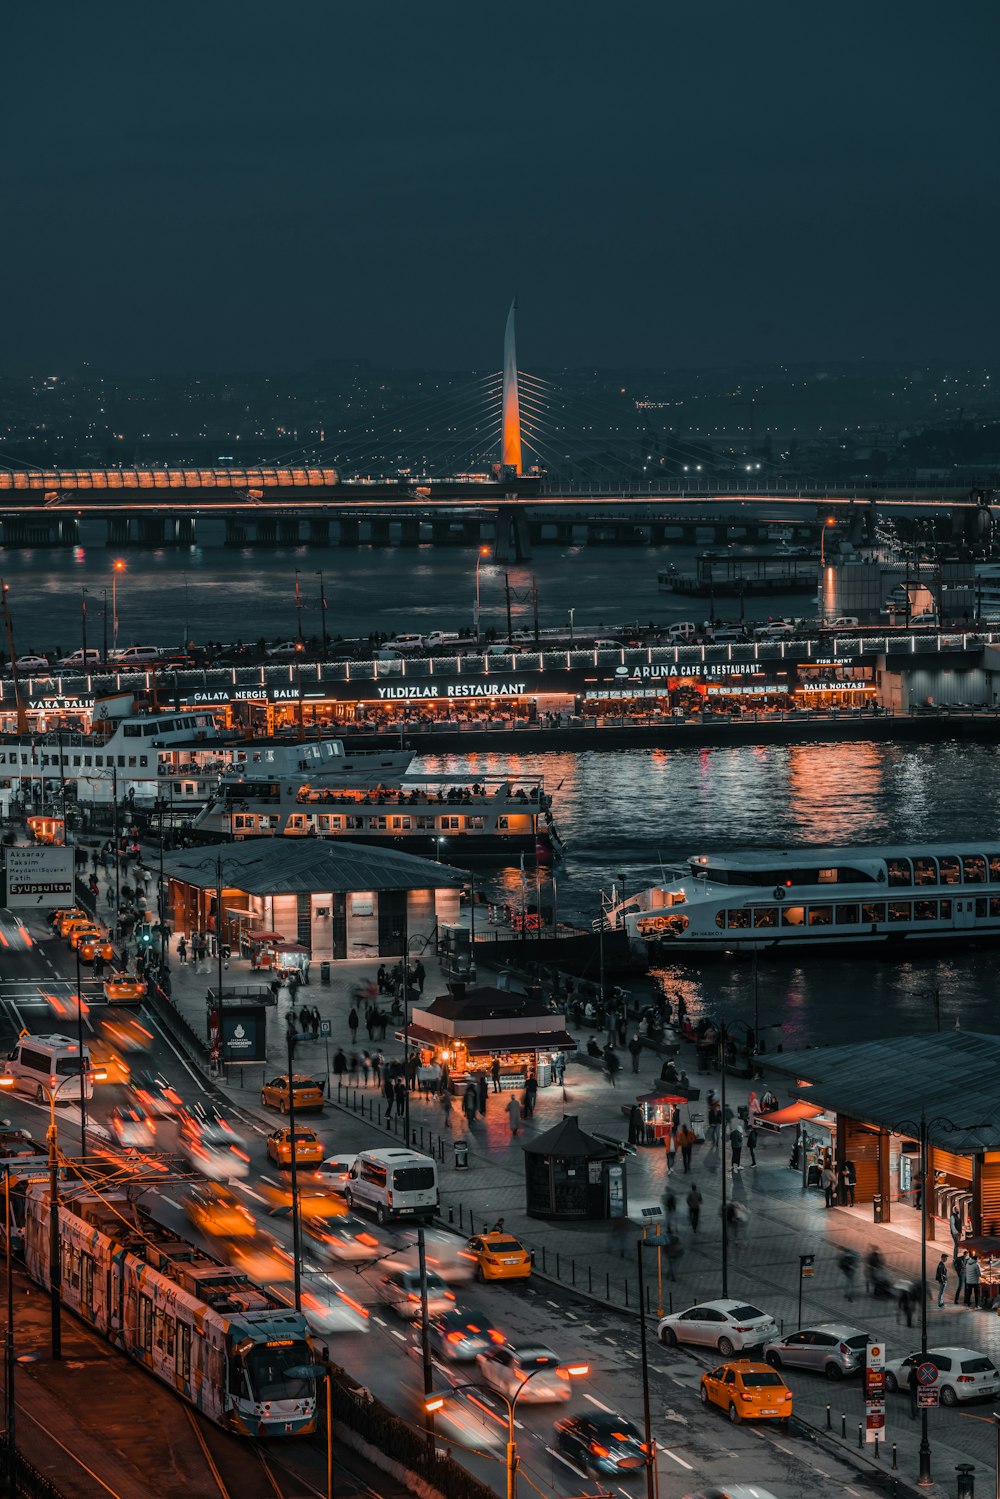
pixel 214 592
pixel 628 814
pixel 622 813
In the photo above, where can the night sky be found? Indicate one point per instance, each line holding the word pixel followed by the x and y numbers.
pixel 230 184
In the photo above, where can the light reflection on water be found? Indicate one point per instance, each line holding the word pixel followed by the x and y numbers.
pixel 623 813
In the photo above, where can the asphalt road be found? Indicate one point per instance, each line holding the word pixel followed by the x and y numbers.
pixel 697 1447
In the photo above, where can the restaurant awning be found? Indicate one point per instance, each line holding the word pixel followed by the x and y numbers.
pixel 793 1113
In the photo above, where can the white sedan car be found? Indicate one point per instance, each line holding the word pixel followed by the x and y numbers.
pixel 511 1369
pixel 402 1292
pixel 962 1374
pixel 133 1129
pixel 335 1171
pixel 729 1326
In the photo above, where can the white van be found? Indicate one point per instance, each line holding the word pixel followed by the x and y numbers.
pixel 684 629
pixel 726 634
pixel 406 644
pixel 76 659
pixel 393 1184
pixel 844 622
pixel 136 655
pixel 41 1065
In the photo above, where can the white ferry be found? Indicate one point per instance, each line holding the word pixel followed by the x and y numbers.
pixel 489 819
pixel 913 896
pixel 177 757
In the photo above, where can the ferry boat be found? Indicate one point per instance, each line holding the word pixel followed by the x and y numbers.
pixel 910 896
pixel 175 757
pixel 486 820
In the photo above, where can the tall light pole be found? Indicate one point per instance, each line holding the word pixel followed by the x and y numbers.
pixel 118 566
pixel 293 1162
pixel 9 1354
pixel 436 1401
pixel 483 552
pixel 647 1422
pixel 322 615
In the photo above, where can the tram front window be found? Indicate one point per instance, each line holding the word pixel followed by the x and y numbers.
pixel 261 1372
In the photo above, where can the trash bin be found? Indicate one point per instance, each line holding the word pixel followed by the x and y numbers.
pixel 324 973
pixel 877 1213
pixel 461 1155
pixel 965 1487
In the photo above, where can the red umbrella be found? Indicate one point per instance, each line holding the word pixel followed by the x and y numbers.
pixel 265 937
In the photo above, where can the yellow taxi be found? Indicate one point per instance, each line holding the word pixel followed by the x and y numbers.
pixel 123 989
pixel 308 1150
pixel 95 945
pixel 65 913
pixel 308 1093
pixel 747 1391
pixel 77 935
pixel 103 1054
pixel 499 1256
pixel 216 1210
pixel 77 923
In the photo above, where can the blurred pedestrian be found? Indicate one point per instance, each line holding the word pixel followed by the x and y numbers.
pixel 904 1303
pixel 685 1139
pixel 960 1261
pixel 482 1093
pixel 514 1113
pixel 848 1264
pixel 694 1202
pixel 828 1181
pixel 736 1146
pixel 751 1143
pixel 352 1024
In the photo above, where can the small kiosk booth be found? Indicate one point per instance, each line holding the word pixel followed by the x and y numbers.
pixel 569 1174
pixel 469 1029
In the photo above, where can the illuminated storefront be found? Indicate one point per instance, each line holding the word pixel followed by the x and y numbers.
pixel 470 1030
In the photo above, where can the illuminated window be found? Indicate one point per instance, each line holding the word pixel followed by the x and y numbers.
pixel 974 869
pixel 899 910
pixel 820 915
pixel 899 871
pixel 872 912
pixel 847 915
pixel 793 915
pixel 951 871
pixel 925 872
pixel 765 916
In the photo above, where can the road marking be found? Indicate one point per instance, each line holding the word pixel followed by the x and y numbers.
pixel 629 1354
pixel 250 1191
pixel 566 1463
pixel 676 1459
pixel 165 1198
pixel 611 1341
pixel 379 1321
pixel 599 1403
pixel 572 1316
pixel 854 1492
pixel 397 1334
pixel 782 1448
pixel 553 1304
pixel 589 1328
pixel 822 1472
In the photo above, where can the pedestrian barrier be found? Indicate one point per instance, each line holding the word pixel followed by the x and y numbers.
pixel 29 1483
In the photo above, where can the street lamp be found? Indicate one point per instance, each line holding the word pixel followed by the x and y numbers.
pixel 118 566
pixel 293 1162
pixel 571 613
pixel 435 1402
pixel 322 615
pixel 921 1130
pixel 483 552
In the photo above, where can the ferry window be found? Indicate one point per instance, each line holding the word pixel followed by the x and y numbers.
pixel 899 871
pixel 738 918
pixel 981 905
pixel 820 915
pixel 143 759
pixel 950 869
pixel 765 916
pixel 946 910
pixel 183 1350
pixel 995 905
pixel 974 869
pixel 146 1323
pixel 873 911
pixel 76 759
pixel 847 915
pixel 720 918
pixel 502 823
pixel 994 869
pixel 86 760
pixel 121 761
pixel 925 872
pixel 793 915
pixel 925 910
pixel 826 876
pixel 899 910
pixel 132 730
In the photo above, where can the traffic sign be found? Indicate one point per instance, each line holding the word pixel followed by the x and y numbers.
pixel 928 1398
pixel 806 1265
pixel 926 1373
pixel 325 1028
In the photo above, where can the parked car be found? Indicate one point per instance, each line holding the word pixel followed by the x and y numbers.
pixel 604 1444
pixel 728 1326
pixel 135 655
pixel 684 629
pixel 407 645
pixel 844 622
pixel 76 659
pixel 31 663
pixel 286 650
pixel 830 1348
pixel 963 1373
pixel 438 638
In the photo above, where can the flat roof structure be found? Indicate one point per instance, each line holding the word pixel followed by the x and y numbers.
pixel 307 866
pixel 951 1075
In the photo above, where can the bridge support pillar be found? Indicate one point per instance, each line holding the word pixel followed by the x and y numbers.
pixel 288 532
pixel 184 531
pixel 472 531
pixel 657 534
pixel 380 536
pixel 410 532
pixel 152 530
pixel 68 531
pixel 236 532
pixel 350 532
pixel 119 531
pixel 319 533
pixel 513 543
pixel 266 531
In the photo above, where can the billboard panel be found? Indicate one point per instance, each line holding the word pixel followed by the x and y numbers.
pixel 40 877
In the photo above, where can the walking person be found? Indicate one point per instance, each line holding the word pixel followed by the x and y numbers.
pixel 352 1024
pixel 446 1109
pixel 736 1146
pixel 694 1201
pixel 182 951
pixel 751 1144
pixel 378 1065
pixel 685 1139
pixel 530 1094
pixel 399 1095
pixel 904 1304
pixel 514 1113
pixel 635 1051
pixel 611 1065
pixel 482 1093
pixel 469 1103
pixel 419 975
pixel 714 1126
pixel 960 1261
pixel 495 1074
pixel 851 1181
pixel 941 1276
pixel 848 1263
pixel 366 1067
pixel 389 1094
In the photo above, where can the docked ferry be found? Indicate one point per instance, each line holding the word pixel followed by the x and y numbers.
pixel 486 820
pixel 912 896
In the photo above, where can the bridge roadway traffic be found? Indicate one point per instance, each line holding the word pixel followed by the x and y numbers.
pixel 698 1447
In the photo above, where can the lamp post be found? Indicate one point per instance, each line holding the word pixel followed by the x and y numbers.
pixel 647 1423
pixel 79 1038
pixel 296 1227
pixel 118 566
pixel 322 615
pixel 435 1402
pixel 10 1405
pixel 921 1130
pixel 483 552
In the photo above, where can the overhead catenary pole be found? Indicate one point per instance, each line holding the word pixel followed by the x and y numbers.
pixel 425 1345
pixel 647 1421
pixel 83 1078
pixel 293 1153
pixel 10 1404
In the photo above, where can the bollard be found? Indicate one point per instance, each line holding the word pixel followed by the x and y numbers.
pixel 829 1424
pixel 590 1279
pixel 461 1229
pixel 670 1300
pixel 876 1446
pixel 451 1213
pixel 607 1285
pixel 647 1302
pixel 572 1267
pixel 893 1454
pixel 558 1268
pixel 543 1257
pixel 626 1293
pixel 843 1425
pixel 861 1435
pixel 966 1483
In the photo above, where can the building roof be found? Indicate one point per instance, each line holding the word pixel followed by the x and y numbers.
pixel 307 866
pixel 484 1046
pixel 486 1003
pixel 568 1139
pixel 951 1075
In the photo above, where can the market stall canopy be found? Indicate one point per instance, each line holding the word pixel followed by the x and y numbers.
pixel 793 1113
pixel 484 1046
pixel 265 936
pixel 667 1096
